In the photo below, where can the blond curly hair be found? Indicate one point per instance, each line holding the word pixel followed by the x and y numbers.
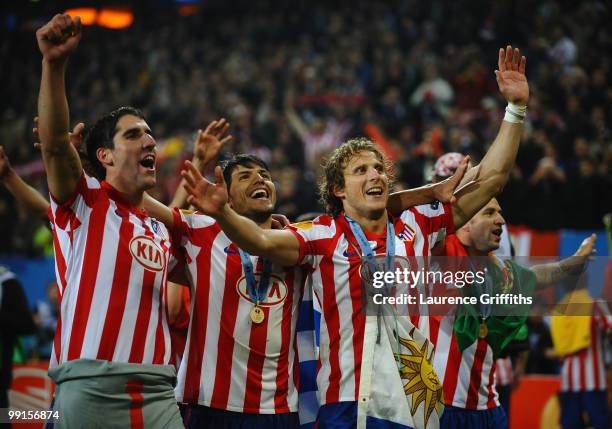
pixel 333 171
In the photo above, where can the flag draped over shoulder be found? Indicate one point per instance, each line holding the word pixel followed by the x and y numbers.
pixel 307 345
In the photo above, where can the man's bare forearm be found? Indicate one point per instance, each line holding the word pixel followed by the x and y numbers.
pixel 500 157
pixel 25 194
pixel 493 172
pixel 60 157
pixel 548 274
pixel 53 118
pixel 402 200
pixel 280 246
pixel 159 211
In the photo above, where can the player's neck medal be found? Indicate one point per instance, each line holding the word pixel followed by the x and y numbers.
pixel 257 314
pixel 257 291
pixel 484 330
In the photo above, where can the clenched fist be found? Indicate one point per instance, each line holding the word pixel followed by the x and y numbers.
pixel 59 37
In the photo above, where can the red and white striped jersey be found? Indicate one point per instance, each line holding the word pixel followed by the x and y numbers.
pixel 180 326
pixel 585 370
pixel 503 373
pixel 468 377
pixel 111 262
pixel 324 244
pixel 229 362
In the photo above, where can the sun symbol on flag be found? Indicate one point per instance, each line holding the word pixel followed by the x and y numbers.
pixel 422 382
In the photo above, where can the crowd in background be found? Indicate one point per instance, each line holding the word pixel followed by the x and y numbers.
pixel 295 79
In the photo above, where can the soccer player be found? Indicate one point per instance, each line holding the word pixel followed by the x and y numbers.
pixel 239 365
pixel 505 377
pixel 358 379
pixel 468 343
pixel 111 358
pixel 581 341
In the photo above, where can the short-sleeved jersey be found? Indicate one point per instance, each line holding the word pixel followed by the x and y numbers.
pixel 585 370
pixel 503 372
pixel 111 263
pixel 330 247
pixel 179 327
pixel 230 362
pixel 468 377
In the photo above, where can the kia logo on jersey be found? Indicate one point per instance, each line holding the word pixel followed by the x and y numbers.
pixel 147 253
pixel 277 292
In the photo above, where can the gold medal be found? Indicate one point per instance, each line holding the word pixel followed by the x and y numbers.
pixel 257 315
pixel 484 331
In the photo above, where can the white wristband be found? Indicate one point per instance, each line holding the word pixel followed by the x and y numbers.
pixel 515 113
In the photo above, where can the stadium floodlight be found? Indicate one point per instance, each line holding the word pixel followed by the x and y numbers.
pixel 88 14
pixel 113 18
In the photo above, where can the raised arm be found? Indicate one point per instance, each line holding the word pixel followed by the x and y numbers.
pixel 206 148
pixel 56 40
pixel 25 194
pixel 442 191
pixel 495 167
pixel 548 274
pixel 280 246
pixel 296 123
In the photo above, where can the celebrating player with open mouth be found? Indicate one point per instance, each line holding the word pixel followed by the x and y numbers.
pixel 111 354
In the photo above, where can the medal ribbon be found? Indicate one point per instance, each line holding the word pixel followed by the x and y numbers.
pixel 485 309
pixel 366 249
pixel 257 292
pixel 368 253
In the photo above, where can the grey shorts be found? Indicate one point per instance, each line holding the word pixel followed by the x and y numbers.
pixel 100 394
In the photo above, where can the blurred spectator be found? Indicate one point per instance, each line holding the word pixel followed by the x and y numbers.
pixel 45 318
pixel 433 93
pixel 542 358
pixel 15 320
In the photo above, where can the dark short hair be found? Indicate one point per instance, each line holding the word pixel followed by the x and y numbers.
pixel 101 134
pixel 240 159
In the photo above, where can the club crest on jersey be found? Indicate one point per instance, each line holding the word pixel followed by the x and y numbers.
pixel 155 226
pixel 407 234
pixel 147 253
pixel 277 292
pixel 306 225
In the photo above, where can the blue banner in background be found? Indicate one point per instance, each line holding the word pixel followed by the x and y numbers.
pixel 570 240
pixel 34 275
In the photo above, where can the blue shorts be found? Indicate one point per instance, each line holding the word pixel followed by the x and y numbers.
pixel 200 417
pixel 343 415
pixel 460 418
pixel 594 402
